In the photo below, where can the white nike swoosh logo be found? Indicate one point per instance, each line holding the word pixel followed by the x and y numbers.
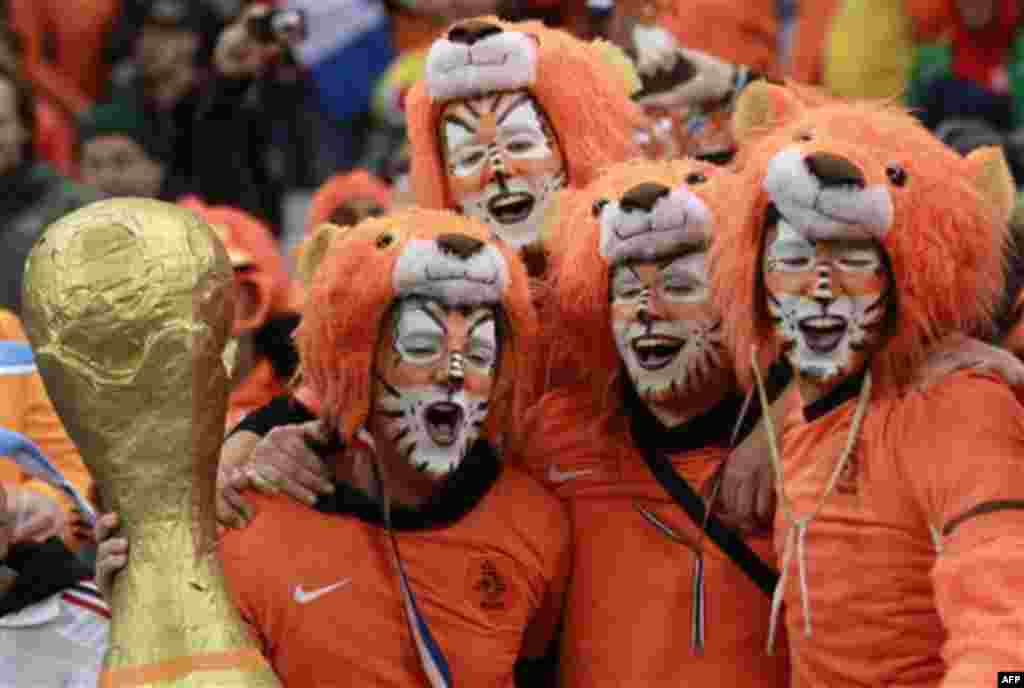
pixel 558 476
pixel 303 597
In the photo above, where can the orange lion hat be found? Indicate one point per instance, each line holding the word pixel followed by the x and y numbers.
pixel 863 170
pixel 431 253
pixel 584 89
pixel 634 211
pixel 258 264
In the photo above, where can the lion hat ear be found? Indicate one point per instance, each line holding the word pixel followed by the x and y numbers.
pixel 313 249
pixel 990 176
pixel 761 107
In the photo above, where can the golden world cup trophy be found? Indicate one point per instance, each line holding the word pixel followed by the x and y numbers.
pixel 128 304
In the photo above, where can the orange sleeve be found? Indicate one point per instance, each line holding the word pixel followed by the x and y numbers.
pixel 43 426
pixel 38 420
pixel 540 633
pixel 30 19
pixel 966 471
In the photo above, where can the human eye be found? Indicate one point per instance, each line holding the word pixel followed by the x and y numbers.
pixel 481 354
pixel 858 260
pixel 468 160
pixel 626 286
pixel 520 144
pixel 420 348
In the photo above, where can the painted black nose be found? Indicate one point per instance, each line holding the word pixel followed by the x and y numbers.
pixel 643 196
pixel 459 245
pixel 472 31
pixel 833 170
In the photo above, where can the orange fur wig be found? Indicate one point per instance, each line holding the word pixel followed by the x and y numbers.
pixel 343 315
pixel 254 256
pixel 584 90
pixel 940 218
pixel 344 188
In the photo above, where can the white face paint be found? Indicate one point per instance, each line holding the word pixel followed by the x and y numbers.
pixel 828 300
pixel 503 165
pixel 434 376
pixel 669 335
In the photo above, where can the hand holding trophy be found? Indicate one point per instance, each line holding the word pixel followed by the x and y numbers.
pixel 128 304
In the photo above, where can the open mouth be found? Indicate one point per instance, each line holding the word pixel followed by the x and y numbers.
pixel 443 420
pixel 510 208
pixel 654 353
pixel 823 332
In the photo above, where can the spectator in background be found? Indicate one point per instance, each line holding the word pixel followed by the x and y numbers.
pixel 978 76
pixel 265 359
pixel 25 408
pixel 53 622
pixel 120 155
pixel 64 47
pixel 34 193
pixel 163 80
pixel 691 75
pixel 256 135
pixel 54 139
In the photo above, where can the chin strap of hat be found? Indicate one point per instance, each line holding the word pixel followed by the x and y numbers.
pixel 432 658
pixel 796 532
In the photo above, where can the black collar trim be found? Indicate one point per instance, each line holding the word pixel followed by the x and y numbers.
pixel 839 395
pixel 713 428
pixel 460 493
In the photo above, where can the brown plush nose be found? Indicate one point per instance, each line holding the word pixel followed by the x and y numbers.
pixel 643 196
pixel 459 245
pixel 472 31
pixel 834 170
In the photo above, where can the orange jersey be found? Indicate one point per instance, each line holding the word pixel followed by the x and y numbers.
pixel 259 387
pixel 26 408
pixel 630 599
pixel 320 591
pixel 915 563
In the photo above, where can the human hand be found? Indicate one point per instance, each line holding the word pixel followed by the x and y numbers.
pixel 112 553
pixel 238 54
pixel 284 461
pixel 746 490
pixel 38 517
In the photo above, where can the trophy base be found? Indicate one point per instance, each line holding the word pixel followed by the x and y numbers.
pixel 243 669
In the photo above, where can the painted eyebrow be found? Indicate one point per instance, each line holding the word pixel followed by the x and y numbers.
pixel 792 243
pixel 489 317
pixel 458 121
pixel 426 308
pixel 685 251
pixel 469 106
pixel 522 99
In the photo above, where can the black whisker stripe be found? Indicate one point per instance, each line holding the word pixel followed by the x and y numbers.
pixel 401 433
pixel 410 450
pixel 390 389
pixel 469 106
pixel 877 303
pixel 388 413
pixel 522 98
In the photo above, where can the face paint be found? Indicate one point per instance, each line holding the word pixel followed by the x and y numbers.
pixel 828 300
pixel 669 335
pixel 502 163
pixel 433 375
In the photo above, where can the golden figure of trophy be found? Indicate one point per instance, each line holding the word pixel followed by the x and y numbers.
pixel 128 304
